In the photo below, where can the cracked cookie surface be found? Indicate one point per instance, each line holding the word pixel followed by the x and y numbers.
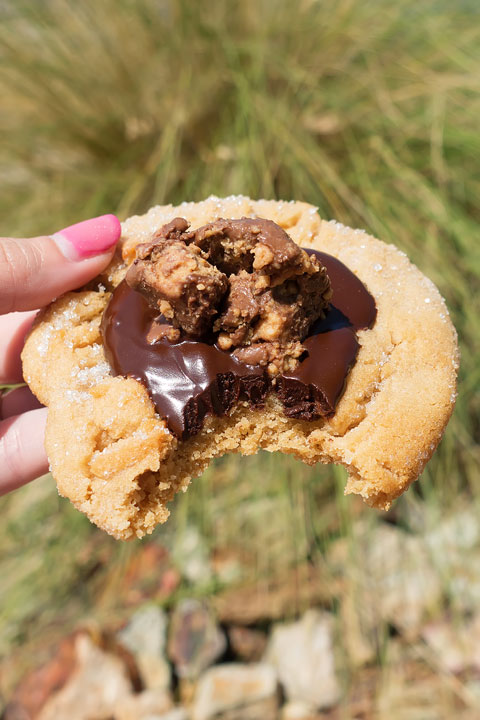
pixel 115 458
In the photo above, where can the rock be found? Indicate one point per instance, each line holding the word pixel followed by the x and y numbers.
pixel 191 556
pixel 247 644
pixel 237 692
pixel 298 710
pixel 149 573
pixel 147 705
pixel 15 711
pixel 227 565
pixel 39 685
pixel 146 632
pixel 275 597
pixel 145 638
pixel 195 639
pixel 473 630
pixel 449 651
pixel 451 537
pixel 462 583
pixel 97 685
pixel 453 544
pixel 358 638
pixel 472 686
pixel 178 713
pixel 407 689
pixel 454 647
pixel 390 575
pixel 302 653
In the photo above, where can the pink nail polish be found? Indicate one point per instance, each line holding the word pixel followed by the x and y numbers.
pixel 88 238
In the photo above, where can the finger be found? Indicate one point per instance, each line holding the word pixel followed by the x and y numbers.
pixel 22 453
pixel 18 401
pixel 13 329
pixel 34 271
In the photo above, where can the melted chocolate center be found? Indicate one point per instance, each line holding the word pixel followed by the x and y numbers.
pixel 191 379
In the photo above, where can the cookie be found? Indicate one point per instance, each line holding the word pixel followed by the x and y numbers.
pixel 121 462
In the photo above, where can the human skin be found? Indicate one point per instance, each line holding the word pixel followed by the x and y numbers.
pixel 33 272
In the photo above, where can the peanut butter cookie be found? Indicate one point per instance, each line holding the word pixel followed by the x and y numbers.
pixel 342 352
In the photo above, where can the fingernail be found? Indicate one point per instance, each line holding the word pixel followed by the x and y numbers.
pixel 88 238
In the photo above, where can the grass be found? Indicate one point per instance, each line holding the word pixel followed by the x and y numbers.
pixel 368 110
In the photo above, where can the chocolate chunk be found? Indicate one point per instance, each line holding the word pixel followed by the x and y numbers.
pixel 242 307
pixel 276 290
pixel 277 317
pixel 275 356
pixel 159 330
pixel 176 280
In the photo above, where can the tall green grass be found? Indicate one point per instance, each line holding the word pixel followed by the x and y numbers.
pixel 368 110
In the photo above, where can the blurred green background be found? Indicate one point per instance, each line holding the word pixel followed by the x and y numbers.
pixel 369 109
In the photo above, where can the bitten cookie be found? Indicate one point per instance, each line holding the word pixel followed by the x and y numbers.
pixel 120 461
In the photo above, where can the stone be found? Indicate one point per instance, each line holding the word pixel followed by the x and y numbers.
pixel 37 686
pixel 149 574
pixel 97 685
pixel 235 691
pixel 227 565
pixel 298 710
pixel 14 711
pixel 462 583
pixel 454 546
pixel 454 646
pixel 302 653
pixel 192 558
pixel 452 536
pixel 177 713
pixel 358 638
pixel 147 705
pixel 146 631
pixel 246 643
pixel 273 598
pixel 408 689
pixel 145 637
pixel 391 577
pixel 195 638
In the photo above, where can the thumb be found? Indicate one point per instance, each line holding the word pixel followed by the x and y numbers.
pixel 34 271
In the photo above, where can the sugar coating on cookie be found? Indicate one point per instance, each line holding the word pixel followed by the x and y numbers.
pixel 118 462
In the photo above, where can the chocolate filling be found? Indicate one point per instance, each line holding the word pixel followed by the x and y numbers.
pixel 191 379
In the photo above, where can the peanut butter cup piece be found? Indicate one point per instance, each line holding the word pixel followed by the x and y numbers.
pixel 252 244
pixel 176 280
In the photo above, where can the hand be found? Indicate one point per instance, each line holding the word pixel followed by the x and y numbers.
pixel 32 273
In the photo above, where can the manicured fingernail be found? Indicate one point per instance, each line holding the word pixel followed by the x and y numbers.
pixel 88 238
